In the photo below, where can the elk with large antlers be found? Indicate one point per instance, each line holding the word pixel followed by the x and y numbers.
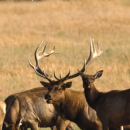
pixel 29 109
pixel 70 104
pixel 112 107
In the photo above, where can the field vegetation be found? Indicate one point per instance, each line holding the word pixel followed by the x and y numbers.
pixel 67 25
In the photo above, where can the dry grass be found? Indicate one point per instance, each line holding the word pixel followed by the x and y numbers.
pixel 68 25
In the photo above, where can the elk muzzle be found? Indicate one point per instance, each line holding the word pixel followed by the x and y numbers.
pixel 48 98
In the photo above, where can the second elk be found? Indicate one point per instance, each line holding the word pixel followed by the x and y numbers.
pixel 113 107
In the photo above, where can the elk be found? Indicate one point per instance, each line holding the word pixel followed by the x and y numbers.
pixel 70 104
pixel 30 110
pixel 112 107
pixel 2 113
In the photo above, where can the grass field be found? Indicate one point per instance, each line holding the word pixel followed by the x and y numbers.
pixel 67 25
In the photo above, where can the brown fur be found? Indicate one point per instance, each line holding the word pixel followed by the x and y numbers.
pixel 72 105
pixel 112 107
pixel 32 107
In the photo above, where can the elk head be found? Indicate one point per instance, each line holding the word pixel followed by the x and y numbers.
pixel 56 90
pixel 88 80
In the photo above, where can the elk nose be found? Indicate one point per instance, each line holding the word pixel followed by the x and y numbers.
pixel 47 96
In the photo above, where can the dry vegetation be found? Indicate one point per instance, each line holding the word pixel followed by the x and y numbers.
pixel 68 25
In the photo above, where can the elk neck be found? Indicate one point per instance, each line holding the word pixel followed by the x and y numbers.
pixel 73 102
pixel 92 96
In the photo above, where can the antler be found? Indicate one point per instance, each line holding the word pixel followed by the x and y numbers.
pixel 95 51
pixel 93 54
pixel 38 56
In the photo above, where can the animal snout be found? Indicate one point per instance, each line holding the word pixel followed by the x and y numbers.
pixel 47 96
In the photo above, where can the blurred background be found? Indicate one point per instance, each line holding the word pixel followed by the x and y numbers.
pixel 68 25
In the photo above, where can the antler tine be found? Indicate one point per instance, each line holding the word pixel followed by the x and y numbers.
pixel 43 74
pixel 44 54
pixel 62 79
pixel 39 55
pixel 36 54
pixel 56 76
pixel 43 50
pixel 31 64
pixel 36 57
pixel 77 74
pixel 47 77
pixel 100 51
pixel 37 70
pixel 93 45
pixel 93 52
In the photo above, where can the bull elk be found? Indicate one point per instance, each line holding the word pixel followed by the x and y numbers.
pixel 30 110
pixel 112 107
pixel 70 104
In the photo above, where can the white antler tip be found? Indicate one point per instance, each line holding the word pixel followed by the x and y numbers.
pixel 55 70
pixel 85 61
pixel 90 39
pixel 43 70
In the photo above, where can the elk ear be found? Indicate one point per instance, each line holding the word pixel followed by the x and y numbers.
pixel 66 85
pixel 45 84
pixel 98 74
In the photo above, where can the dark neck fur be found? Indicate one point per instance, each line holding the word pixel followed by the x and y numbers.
pixel 72 104
pixel 92 96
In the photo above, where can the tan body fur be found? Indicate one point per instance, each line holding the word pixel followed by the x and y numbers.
pixel 32 107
